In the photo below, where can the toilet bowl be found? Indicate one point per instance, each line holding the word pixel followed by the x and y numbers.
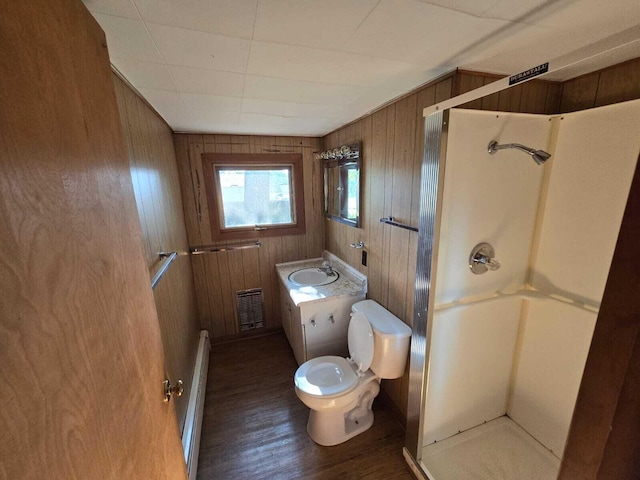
pixel 340 392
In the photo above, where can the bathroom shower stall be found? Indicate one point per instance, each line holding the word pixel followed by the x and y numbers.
pixel 500 354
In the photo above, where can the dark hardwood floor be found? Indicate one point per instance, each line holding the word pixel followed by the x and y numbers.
pixel 256 428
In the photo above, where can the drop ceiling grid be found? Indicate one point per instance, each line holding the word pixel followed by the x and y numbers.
pixel 307 66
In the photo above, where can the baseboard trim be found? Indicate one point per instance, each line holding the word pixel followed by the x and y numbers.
pixel 193 419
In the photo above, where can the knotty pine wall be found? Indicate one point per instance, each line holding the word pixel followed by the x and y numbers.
pixel 219 276
pixel 156 185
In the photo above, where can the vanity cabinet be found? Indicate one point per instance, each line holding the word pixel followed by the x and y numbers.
pixel 317 328
pixel 315 316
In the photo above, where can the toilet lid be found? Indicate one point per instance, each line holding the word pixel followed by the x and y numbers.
pixel 360 340
pixel 325 376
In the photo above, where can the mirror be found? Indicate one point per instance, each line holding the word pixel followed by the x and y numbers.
pixel 342 184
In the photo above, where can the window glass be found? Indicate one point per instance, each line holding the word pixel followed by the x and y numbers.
pixel 255 196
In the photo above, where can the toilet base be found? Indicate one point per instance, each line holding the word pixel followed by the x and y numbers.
pixel 328 427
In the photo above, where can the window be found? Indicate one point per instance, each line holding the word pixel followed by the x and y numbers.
pixel 254 195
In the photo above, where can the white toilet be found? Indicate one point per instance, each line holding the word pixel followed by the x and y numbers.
pixel 340 391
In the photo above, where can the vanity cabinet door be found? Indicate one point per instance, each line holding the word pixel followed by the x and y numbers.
pixel 297 336
pixel 285 302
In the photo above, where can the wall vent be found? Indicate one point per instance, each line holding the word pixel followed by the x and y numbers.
pixel 250 309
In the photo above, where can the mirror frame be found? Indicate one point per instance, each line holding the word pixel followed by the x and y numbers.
pixel 330 160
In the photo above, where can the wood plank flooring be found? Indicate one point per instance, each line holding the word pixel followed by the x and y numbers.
pixel 256 428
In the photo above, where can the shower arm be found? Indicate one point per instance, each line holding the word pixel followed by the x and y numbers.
pixel 493 146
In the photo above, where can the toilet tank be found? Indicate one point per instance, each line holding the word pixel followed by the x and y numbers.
pixel 391 338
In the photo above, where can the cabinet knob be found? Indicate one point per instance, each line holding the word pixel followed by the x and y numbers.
pixel 313 322
pixel 331 319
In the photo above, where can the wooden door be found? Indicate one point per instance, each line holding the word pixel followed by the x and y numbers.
pixel 81 357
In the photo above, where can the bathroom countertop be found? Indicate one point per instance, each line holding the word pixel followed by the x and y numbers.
pixel 350 283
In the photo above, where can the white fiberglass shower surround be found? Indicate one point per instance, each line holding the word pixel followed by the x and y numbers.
pixel 497 358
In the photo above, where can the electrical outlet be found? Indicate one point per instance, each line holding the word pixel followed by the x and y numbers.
pixel 364 258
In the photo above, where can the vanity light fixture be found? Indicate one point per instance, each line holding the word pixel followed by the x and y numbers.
pixel 339 153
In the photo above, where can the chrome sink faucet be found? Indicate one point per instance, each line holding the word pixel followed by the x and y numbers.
pixel 327 268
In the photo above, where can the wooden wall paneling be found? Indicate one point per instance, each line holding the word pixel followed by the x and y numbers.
pixel 352 133
pixel 153 164
pixel 619 83
pixel 157 173
pixel 552 101
pixel 533 97
pixel 537 96
pixel 219 279
pixel 621 457
pixel 365 193
pixel 196 148
pixel 228 293
pixel 490 102
pixel 509 99
pixel 181 145
pixel 275 257
pixel 251 268
pixel 376 167
pixel 466 83
pixel 192 191
pixel 236 283
pixel 122 108
pixel 579 93
pixel 315 240
pixel 388 196
pixel 403 166
pixel 403 160
pixel 210 293
pixel 444 89
pixel 138 165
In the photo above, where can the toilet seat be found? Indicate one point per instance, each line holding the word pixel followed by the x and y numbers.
pixel 325 376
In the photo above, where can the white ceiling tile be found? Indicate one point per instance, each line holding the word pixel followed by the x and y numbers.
pixel 310 23
pixel 415 32
pixel 190 48
pixel 233 18
pixel 128 39
pixel 327 94
pixel 119 8
pixel 213 113
pixel 411 78
pixel 314 65
pixel 322 66
pixel 251 123
pixel 169 105
pixel 211 106
pixel 221 124
pixel 476 7
pixel 145 74
pixel 373 98
pixel 290 109
pixel 207 82
pixel 268 88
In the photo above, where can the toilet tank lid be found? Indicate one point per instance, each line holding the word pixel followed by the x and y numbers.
pixel 381 319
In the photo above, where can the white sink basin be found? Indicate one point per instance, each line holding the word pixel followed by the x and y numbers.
pixel 312 277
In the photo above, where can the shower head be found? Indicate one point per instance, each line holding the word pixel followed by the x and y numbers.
pixel 539 156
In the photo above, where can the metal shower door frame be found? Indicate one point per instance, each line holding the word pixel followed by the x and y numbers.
pixel 431 189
